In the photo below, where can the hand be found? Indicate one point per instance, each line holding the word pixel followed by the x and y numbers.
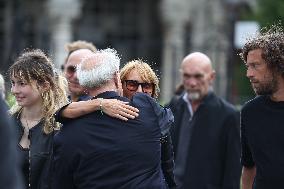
pixel 119 109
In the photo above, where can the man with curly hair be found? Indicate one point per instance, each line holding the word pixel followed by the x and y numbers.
pixel 262 117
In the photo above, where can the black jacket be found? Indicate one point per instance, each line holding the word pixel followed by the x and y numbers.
pixel 40 156
pixel 104 152
pixel 9 176
pixel 213 155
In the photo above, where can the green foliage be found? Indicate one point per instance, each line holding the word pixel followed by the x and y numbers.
pixel 245 91
pixel 268 12
pixel 10 99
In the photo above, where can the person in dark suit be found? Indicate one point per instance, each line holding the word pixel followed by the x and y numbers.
pixel 9 171
pixel 98 151
pixel 206 133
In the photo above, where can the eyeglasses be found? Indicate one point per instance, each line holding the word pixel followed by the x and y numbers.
pixel 132 85
pixel 71 69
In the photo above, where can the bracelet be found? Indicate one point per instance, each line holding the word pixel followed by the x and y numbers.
pixel 101 105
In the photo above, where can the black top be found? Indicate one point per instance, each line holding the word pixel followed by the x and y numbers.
pixel 81 98
pixel 97 151
pixel 40 155
pixel 262 132
pixel 23 155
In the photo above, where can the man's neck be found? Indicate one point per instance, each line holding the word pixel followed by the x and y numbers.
pixel 105 88
pixel 195 104
pixel 279 94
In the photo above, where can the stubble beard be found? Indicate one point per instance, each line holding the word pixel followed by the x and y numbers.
pixel 266 88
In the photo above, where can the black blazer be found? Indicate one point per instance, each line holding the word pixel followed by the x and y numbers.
pixel 213 156
pixel 9 170
pixel 97 151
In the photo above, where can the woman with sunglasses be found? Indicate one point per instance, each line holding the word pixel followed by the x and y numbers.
pixel 136 76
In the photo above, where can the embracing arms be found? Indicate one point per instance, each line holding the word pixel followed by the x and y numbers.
pixel 112 107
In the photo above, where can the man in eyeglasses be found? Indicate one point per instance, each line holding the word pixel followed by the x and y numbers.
pixel 137 77
pixel 98 151
pixel 76 91
pixel 206 136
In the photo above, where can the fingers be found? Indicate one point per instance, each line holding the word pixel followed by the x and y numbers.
pixel 129 111
pixel 133 109
pixel 120 109
pixel 120 117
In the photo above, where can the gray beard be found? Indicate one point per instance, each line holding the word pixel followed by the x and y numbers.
pixel 194 96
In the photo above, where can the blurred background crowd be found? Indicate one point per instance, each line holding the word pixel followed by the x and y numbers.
pixel 160 31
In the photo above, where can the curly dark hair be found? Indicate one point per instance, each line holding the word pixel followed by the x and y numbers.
pixel 271 41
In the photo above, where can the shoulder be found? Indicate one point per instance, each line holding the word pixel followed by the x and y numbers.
pixel 176 101
pixel 253 103
pixel 222 104
pixel 142 99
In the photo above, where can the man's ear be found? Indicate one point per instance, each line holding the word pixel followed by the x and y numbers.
pixel 212 76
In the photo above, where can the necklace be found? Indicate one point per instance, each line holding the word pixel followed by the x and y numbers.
pixel 30 124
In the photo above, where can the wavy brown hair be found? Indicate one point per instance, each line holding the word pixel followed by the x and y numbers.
pixel 34 65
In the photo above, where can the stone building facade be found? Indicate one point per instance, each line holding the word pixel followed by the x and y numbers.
pixel 161 32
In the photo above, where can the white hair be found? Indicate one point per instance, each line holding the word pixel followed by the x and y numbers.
pixel 98 69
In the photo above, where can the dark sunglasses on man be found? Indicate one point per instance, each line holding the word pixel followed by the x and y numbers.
pixel 132 85
pixel 71 69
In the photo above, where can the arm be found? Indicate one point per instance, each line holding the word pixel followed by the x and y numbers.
pixel 248 177
pixel 166 119
pixel 167 158
pixel 247 161
pixel 111 107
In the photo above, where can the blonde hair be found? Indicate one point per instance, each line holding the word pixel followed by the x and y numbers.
pixel 34 65
pixel 145 71
pixel 80 44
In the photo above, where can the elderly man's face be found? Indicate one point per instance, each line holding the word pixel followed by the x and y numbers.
pixel 197 79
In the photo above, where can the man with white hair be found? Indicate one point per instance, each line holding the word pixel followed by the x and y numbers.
pixel 97 151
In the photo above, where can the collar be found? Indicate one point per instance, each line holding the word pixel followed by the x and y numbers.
pixel 81 98
pixel 185 98
pixel 206 99
pixel 107 94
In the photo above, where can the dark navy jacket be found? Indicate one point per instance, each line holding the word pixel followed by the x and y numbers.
pixel 9 170
pixel 97 151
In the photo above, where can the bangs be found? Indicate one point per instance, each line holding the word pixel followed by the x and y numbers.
pixel 20 72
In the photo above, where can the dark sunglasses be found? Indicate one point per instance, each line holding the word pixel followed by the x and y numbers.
pixel 71 69
pixel 132 85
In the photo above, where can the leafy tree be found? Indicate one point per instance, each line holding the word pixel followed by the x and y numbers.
pixel 268 12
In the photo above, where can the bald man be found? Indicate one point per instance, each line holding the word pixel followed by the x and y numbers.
pixel 76 92
pixel 206 135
